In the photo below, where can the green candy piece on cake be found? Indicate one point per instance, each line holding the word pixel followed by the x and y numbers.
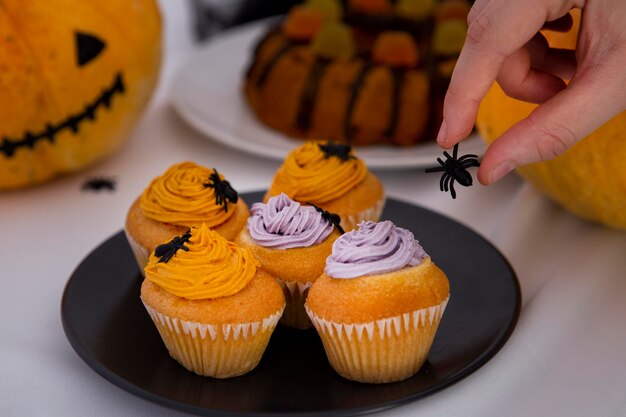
pixel 415 9
pixel 449 37
pixel 334 40
pixel 330 9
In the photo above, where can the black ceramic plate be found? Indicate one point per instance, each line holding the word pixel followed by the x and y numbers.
pixel 108 327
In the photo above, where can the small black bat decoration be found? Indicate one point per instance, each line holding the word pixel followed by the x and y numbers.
pixel 455 169
pixel 167 250
pixel 332 218
pixel 340 150
pixel 99 184
pixel 224 193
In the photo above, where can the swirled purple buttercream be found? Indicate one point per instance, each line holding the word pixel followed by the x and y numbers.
pixel 373 248
pixel 283 224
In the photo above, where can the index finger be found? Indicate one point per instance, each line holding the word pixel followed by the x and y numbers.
pixel 496 30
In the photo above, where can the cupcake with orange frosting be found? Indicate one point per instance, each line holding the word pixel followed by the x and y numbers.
pixel 291 241
pixel 186 195
pixel 330 176
pixel 214 308
pixel 378 304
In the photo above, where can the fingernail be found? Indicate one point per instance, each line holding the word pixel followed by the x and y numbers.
pixel 441 136
pixel 500 171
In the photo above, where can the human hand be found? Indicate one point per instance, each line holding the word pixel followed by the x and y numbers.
pixel 503 44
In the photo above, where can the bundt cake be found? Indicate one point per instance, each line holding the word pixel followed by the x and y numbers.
pixel 358 72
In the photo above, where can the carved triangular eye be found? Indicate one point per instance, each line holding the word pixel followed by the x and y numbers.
pixel 87 47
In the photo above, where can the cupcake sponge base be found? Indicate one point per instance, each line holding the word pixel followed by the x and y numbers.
pixel 381 351
pixel 215 350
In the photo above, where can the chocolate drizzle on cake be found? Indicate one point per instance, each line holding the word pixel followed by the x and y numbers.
pixel 271 63
pixel 257 50
pixel 166 251
pixel 397 77
pixel 224 192
pixel 354 95
pixel 309 94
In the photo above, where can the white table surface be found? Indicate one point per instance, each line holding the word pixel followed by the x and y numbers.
pixel 567 356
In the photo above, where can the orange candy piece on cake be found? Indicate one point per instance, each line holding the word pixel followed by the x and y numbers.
pixel 397 49
pixel 452 10
pixel 371 6
pixel 303 23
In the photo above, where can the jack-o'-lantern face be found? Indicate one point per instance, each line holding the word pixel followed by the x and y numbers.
pixel 87 47
pixel 74 77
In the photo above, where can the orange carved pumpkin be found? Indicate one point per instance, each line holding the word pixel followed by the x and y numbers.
pixel 74 77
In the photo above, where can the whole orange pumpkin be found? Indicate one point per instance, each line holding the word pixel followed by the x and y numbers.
pixel 74 77
pixel 589 179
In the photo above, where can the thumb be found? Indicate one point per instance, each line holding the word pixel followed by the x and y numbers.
pixel 590 100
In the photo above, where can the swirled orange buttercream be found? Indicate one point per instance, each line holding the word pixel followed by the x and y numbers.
pixel 180 197
pixel 209 267
pixel 309 174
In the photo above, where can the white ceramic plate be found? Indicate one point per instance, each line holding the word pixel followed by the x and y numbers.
pixel 207 93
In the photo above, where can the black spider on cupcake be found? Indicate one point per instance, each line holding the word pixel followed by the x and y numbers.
pixel 166 251
pixel 224 192
pixel 340 150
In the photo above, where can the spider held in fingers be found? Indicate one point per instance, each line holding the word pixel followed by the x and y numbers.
pixel 455 169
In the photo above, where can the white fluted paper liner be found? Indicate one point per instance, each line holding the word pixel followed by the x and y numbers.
pixel 295 295
pixel 141 254
pixel 349 222
pixel 218 351
pixel 294 289
pixel 386 350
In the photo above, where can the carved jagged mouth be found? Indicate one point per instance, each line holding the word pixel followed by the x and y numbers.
pixel 8 146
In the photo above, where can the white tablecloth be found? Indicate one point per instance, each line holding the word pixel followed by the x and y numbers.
pixel 567 356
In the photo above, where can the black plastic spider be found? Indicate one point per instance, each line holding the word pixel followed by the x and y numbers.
pixel 169 249
pixel 454 169
pixel 332 218
pixel 99 184
pixel 224 193
pixel 340 150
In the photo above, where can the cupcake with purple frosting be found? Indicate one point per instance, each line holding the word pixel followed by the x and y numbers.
pixel 378 304
pixel 291 241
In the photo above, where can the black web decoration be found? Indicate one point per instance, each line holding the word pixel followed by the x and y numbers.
pixel 455 169
pixel 332 218
pixel 224 193
pixel 167 250
pixel 99 184
pixel 340 150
